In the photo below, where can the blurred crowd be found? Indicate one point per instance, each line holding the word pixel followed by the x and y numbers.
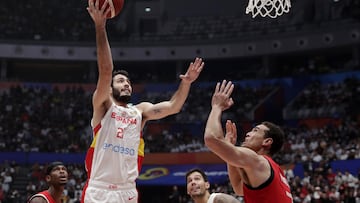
pixel 44 121
pixel 50 120
pixel 73 24
pixel 35 182
pixel 320 184
pixel 36 118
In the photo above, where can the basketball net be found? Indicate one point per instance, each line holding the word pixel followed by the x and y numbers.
pixel 271 8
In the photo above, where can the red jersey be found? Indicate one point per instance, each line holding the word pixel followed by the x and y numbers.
pixel 44 194
pixel 275 190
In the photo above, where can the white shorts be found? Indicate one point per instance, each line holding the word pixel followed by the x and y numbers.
pixel 97 192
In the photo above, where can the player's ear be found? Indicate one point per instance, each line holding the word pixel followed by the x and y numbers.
pixel 47 178
pixel 207 185
pixel 268 141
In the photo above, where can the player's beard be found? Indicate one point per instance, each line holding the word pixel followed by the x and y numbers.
pixel 120 98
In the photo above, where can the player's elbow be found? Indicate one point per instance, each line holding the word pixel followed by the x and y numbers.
pixel 238 187
pixel 176 110
pixel 172 111
pixel 173 107
pixel 210 140
pixel 238 191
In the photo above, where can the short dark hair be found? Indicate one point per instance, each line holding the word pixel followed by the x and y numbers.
pixel 52 165
pixel 117 72
pixel 277 134
pixel 199 171
pixel 122 72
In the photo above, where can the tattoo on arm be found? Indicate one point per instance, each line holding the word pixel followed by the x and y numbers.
pixel 156 111
pixel 224 198
pixel 220 201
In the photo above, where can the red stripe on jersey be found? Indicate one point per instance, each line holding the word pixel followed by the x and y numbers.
pixel 89 159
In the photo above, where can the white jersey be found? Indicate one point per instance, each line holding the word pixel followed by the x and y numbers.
pixel 113 155
pixel 212 197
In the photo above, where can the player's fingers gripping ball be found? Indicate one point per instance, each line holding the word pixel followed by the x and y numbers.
pixel 115 7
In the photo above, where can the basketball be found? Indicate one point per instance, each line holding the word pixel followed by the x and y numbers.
pixel 115 7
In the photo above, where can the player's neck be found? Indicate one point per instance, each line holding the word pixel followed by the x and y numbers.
pixel 121 104
pixel 262 151
pixel 202 199
pixel 56 193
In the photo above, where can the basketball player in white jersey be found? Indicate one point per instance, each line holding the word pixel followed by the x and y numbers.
pixel 198 185
pixel 115 156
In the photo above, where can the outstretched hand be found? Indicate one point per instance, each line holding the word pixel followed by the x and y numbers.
pixel 98 14
pixel 231 132
pixel 221 97
pixel 193 71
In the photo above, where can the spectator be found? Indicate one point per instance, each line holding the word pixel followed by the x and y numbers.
pixel 56 177
pixel 197 186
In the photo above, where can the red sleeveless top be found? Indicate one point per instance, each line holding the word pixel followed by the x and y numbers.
pixel 275 190
pixel 44 194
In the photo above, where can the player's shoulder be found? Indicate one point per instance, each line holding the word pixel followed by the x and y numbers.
pixel 37 199
pixel 143 105
pixel 222 198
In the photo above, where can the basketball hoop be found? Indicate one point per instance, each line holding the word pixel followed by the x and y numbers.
pixel 271 8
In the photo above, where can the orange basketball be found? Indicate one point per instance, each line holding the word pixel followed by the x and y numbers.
pixel 115 7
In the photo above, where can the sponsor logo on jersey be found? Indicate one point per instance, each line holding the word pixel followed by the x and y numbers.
pixel 119 149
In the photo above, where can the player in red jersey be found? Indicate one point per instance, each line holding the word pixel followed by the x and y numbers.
pixel 252 172
pixel 56 177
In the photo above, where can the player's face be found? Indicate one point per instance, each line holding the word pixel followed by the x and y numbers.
pixel 59 175
pixel 121 90
pixel 196 185
pixel 255 138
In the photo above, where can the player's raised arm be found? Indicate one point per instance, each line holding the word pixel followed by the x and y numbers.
pixel 234 172
pixel 160 110
pixel 101 97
